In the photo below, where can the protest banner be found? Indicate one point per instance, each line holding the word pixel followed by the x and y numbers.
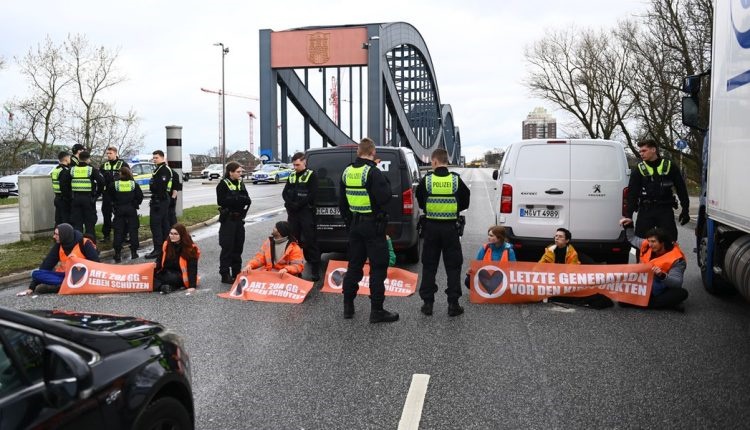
pixel 88 277
pixel 521 282
pixel 398 282
pixel 264 286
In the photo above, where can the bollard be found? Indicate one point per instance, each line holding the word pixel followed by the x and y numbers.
pixel 174 157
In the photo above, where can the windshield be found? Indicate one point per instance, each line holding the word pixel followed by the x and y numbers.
pixel 269 168
pixel 38 169
pixel 214 167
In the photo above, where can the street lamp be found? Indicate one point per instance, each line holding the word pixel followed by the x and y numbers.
pixel 224 52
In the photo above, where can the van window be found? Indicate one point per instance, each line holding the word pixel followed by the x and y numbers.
pixel 597 163
pixel 543 162
pixel 390 165
pixel 411 163
pixel 329 166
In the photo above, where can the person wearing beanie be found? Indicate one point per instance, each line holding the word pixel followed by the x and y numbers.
pixel 75 152
pixel 279 253
pixel 68 243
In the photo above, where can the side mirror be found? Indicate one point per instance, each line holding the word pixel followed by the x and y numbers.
pixel 67 376
pixel 495 174
pixel 690 113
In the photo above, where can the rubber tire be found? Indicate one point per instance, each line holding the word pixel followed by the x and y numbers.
pixel 413 254
pixel 277 179
pixel 720 285
pixel 162 411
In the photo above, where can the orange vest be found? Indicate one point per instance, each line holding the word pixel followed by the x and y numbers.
pixel 183 264
pixel 664 261
pixel 75 252
pixel 292 260
pixel 488 254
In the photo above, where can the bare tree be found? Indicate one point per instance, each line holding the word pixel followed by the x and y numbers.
pixel 121 132
pixel 14 139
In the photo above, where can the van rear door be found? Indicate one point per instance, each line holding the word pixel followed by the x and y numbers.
pixel 329 165
pixel 541 192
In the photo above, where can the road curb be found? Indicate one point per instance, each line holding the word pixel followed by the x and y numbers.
pixel 6 280
pixel 14 205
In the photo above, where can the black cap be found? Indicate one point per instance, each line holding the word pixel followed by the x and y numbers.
pixel 77 147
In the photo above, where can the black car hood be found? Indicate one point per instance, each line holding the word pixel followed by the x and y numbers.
pixel 123 326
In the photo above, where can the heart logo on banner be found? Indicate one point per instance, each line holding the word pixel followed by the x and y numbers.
pixel 490 281
pixel 240 287
pixel 337 278
pixel 78 275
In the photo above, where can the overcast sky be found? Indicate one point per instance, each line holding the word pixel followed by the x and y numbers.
pixel 167 55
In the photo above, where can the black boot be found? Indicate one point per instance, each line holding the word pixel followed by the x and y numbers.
pixel 454 309
pixel 133 254
pixel 315 272
pixel 348 309
pixel 427 308
pixel 118 256
pixel 226 278
pixel 382 315
pixel 153 254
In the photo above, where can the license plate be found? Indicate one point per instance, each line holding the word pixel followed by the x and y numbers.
pixel 540 213
pixel 4 190
pixel 329 210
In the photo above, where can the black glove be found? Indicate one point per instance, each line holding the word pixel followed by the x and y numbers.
pixel 684 217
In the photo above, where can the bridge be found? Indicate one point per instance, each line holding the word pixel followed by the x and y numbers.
pixel 383 72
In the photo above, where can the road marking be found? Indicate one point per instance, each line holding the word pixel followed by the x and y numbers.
pixel 412 413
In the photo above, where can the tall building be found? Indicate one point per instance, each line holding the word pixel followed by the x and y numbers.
pixel 539 125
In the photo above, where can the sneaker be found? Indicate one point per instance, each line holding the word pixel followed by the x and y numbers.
pixel 426 308
pixel 383 315
pixel 454 309
pixel 348 310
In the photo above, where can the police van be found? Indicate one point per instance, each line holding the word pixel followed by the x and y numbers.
pixel 400 167
pixel 577 184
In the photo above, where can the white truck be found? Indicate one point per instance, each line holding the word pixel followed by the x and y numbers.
pixel 723 229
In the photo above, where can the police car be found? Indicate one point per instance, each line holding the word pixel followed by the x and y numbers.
pixel 271 173
pixel 142 173
pixel 9 184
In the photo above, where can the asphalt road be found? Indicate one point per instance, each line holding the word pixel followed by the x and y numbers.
pixel 262 365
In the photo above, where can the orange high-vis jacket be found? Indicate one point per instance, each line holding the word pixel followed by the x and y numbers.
pixel 292 260
pixel 183 264
pixel 571 256
pixel 664 261
pixel 77 251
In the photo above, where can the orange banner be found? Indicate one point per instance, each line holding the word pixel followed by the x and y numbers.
pixel 87 277
pixel 264 286
pixel 320 47
pixel 398 282
pixel 521 282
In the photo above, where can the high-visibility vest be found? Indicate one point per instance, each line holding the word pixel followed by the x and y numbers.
pixel 231 185
pixel 124 186
pixel 441 197
pixel 109 167
pixel 354 182
pixel 81 178
pixel 662 169
pixel 302 179
pixel 664 261
pixel 488 254
pixel 292 260
pixel 77 251
pixel 55 175
pixel 183 264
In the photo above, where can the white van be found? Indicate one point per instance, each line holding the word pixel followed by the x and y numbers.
pixel 577 184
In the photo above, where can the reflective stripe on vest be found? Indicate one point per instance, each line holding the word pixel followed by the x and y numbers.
pixel 109 167
pixel 183 264
pixel 55 175
pixel 662 169
pixel 81 178
pixel 664 261
pixel 233 187
pixel 302 179
pixel 441 197
pixel 354 181
pixel 124 186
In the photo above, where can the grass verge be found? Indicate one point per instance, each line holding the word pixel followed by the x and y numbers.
pixel 18 256
pixel 8 201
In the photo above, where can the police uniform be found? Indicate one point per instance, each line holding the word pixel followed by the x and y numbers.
pixel 62 197
pixel 86 184
pixel 176 186
pixel 650 194
pixel 234 202
pixel 160 186
pixel 364 191
pixel 111 172
pixel 299 199
pixel 441 195
pixel 126 197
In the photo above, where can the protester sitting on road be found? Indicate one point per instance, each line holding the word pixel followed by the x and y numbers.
pixel 68 243
pixel 178 266
pixel 279 253
pixel 561 252
pixel 496 249
pixel 667 262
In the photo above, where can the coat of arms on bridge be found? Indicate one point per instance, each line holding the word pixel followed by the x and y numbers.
pixel 318 47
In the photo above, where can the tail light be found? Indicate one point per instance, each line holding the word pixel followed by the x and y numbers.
pixel 625 201
pixel 408 198
pixel 506 199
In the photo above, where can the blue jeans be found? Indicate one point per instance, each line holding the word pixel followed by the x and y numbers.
pixel 49 277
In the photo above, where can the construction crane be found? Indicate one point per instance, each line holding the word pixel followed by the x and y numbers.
pixel 242 96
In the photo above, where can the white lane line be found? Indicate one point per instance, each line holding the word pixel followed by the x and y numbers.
pixel 412 413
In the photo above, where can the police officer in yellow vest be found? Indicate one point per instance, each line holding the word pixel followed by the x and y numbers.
pixel 111 172
pixel 86 184
pixel 234 202
pixel 442 195
pixel 299 199
pixel 62 200
pixel 160 186
pixel 363 194
pixel 126 197
pixel 650 192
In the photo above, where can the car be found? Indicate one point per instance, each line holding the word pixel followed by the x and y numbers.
pixel 9 184
pixel 271 173
pixel 577 184
pixel 400 167
pixel 66 369
pixel 213 171
pixel 142 173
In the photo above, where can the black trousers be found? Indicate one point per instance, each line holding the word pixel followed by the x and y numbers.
pixel 169 277
pixel 172 212
pixel 83 213
pixel 302 225
pixel 231 241
pixel 126 221
pixel 62 210
pixel 661 216
pixel 159 222
pixel 441 237
pixel 364 243
pixel 670 297
pixel 107 209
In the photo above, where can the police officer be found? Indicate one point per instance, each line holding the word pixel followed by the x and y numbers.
pixel 176 186
pixel 299 199
pixel 161 192
pixel 62 200
pixel 442 195
pixel 111 172
pixel 234 202
pixel 363 194
pixel 126 196
pixel 650 192
pixel 76 151
pixel 86 184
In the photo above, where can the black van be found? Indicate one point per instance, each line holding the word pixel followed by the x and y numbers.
pixel 399 165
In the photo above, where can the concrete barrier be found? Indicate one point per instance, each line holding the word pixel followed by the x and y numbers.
pixel 36 207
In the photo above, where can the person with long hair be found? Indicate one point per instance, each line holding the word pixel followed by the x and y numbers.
pixel 279 253
pixel 178 266
pixel 126 197
pixel 234 202
pixel 496 249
